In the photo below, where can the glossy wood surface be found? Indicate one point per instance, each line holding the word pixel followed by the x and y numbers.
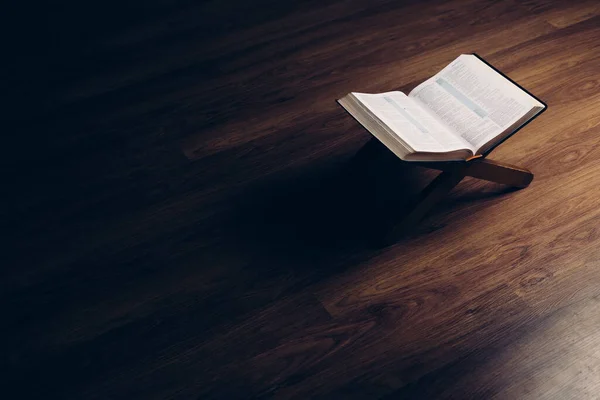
pixel 181 221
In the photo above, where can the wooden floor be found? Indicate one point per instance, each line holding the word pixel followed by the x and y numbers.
pixel 181 221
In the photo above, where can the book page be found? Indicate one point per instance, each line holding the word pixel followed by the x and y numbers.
pixel 473 100
pixel 416 126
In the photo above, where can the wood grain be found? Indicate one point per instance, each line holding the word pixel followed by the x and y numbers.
pixel 181 220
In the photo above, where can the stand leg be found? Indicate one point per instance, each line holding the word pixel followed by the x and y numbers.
pixel 498 172
pixel 492 171
pixel 428 198
pixel 452 174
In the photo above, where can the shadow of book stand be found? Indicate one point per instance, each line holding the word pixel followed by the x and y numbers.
pixel 452 172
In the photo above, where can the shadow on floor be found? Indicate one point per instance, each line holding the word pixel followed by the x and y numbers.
pixel 341 208
pixel 338 208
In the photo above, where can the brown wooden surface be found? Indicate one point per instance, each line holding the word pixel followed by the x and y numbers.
pixel 180 220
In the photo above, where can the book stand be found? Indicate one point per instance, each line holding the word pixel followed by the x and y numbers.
pixel 452 173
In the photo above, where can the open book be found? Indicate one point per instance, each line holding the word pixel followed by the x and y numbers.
pixel 462 112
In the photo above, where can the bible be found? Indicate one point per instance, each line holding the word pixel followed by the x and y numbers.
pixel 461 113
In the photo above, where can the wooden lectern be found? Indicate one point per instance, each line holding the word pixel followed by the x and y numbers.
pixel 452 173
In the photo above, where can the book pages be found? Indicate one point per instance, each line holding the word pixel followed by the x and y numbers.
pixel 473 100
pixel 409 119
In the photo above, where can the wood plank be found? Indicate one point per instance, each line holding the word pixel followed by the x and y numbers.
pixel 553 359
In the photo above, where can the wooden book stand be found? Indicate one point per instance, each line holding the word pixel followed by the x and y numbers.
pixel 452 173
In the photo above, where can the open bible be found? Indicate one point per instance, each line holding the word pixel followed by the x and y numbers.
pixel 462 112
